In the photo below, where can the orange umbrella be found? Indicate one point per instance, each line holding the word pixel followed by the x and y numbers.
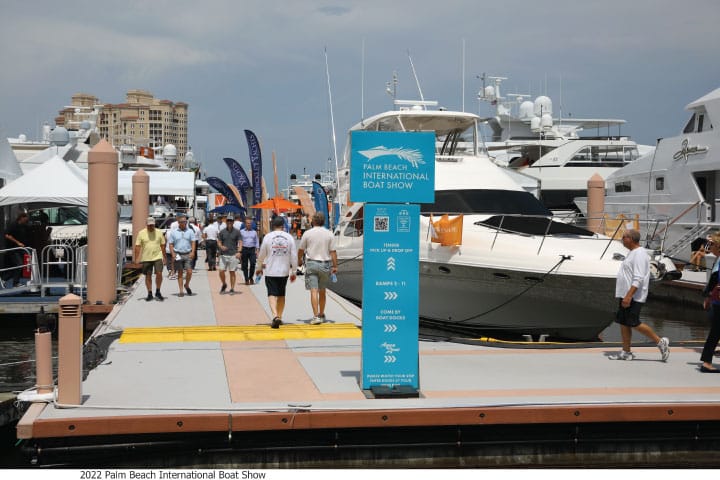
pixel 278 204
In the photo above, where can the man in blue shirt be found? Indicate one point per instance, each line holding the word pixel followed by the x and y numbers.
pixel 182 248
pixel 248 255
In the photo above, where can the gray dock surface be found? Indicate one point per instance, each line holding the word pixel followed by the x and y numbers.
pixel 210 363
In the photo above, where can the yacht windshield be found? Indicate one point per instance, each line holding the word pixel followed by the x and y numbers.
pixel 485 202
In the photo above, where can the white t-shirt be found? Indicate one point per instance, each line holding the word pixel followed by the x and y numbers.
pixel 318 242
pixel 634 271
pixel 211 231
pixel 278 253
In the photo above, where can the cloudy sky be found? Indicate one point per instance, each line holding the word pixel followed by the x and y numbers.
pixel 260 64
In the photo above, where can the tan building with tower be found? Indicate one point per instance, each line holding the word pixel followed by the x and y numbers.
pixel 142 121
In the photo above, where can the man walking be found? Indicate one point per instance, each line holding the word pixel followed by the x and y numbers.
pixel 210 234
pixel 250 245
pixel 319 243
pixel 149 251
pixel 182 248
pixel 278 257
pixel 631 289
pixel 229 243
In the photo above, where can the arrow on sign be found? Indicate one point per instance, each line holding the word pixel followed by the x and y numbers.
pixel 390 327
pixel 391 263
pixel 391 295
pixel 390 358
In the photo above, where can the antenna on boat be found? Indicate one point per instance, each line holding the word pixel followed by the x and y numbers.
pixel 362 83
pixel 417 82
pixel 332 117
pixel 463 75
pixel 391 87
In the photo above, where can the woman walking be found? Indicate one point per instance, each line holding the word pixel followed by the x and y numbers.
pixel 712 306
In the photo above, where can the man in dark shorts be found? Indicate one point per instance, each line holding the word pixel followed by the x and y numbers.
pixel 631 288
pixel 149 251
pixel 278 257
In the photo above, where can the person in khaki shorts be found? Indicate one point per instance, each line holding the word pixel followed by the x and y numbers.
pixel 149 250
pixel 229 246
pixel 319 244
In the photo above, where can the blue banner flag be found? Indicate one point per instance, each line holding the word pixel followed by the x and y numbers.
pixel 321 202
pixel 239 177
pixel 256 168
pixel 223 189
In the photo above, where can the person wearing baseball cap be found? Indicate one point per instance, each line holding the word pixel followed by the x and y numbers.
pixel 149 251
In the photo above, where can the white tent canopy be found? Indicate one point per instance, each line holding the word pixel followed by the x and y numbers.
pixel 55 182
pixel 181 184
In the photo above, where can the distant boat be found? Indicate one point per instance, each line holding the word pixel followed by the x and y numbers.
pixel 562 153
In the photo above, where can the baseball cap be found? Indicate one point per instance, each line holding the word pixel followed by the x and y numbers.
pixel 150 221
pixel 230 217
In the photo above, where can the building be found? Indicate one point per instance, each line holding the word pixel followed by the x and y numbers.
pixel 142 121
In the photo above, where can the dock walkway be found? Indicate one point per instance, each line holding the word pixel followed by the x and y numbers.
pixel 206 373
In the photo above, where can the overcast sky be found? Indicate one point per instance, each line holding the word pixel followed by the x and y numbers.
pixel 260 64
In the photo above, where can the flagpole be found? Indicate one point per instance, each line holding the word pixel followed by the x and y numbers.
pixel 332 118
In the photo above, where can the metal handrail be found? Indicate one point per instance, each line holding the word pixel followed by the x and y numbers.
pixel 34 270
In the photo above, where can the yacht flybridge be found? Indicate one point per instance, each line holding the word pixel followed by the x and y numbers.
pixel 675 192
pixel 563 153
pixel 516 269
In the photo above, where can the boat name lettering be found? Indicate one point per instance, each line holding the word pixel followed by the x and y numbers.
pixel 687 150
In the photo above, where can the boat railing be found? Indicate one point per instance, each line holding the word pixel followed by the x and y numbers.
pixel 28 268
pixel 58 267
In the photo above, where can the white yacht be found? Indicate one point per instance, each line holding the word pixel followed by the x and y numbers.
pixel 563 153
pixel 675 191
pixel 517 270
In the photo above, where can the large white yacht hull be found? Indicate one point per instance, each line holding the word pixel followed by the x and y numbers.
pixel 495 300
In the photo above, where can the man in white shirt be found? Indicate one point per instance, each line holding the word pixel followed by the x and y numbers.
pixel 278 258
pixel 210 234
pixel 319 244
pixel 631 288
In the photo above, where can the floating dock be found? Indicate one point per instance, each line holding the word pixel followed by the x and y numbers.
pixel 203 381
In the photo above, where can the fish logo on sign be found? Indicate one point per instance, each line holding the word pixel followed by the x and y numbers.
pixel 411 155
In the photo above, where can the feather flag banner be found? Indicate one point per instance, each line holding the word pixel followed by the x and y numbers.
pixel 305 200
pixel 321 202
pixel 256 168
pixel 239 178
pixel 224 189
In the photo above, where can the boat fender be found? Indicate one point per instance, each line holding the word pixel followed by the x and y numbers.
pixel 32 396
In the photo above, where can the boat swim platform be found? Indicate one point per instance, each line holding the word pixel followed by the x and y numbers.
pixel 202 380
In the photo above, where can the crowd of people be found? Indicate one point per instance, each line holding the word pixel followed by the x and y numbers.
pixel 232 245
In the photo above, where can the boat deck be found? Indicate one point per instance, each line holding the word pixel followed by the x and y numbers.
pixel 210 363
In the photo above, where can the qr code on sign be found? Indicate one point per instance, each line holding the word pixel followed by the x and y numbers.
pixel 382 224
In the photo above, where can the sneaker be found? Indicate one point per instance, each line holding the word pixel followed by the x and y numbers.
pixel 232 291
pixel 664 346
pixel 276 322
pixel 159 296
pixel 316 321
pixel 222 289
pixel 623 355
pixel 321 316
pixel 187 289
pixel 149 297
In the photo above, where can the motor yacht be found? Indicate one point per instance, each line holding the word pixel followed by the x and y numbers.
pixel 517 269
pixel 563 153
pixel 674 191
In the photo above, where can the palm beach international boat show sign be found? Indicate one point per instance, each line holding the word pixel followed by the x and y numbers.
pixel 393 167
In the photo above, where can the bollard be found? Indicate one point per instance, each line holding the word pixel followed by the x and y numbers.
pixel 140 204
pixel 43 362
pixel 102 224
pixel 596 203
pixel 70 343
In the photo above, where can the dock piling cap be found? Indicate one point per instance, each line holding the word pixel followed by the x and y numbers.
pixel 70 299
pixel 596 181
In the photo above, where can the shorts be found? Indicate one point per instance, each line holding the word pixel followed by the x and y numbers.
pixel 317 275
pixel 276 286
pixel 185 262
pixel 148 267
pixel 630 317
pixel 228 262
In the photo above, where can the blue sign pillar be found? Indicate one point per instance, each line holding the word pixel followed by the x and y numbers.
pixel 391 267
pixel 397 167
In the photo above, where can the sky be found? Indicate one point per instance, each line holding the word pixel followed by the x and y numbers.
pixel 261 64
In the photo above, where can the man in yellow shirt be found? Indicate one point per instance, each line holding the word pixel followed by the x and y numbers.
pixel 149 250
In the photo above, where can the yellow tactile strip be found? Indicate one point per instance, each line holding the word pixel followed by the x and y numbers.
pixel 239 333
